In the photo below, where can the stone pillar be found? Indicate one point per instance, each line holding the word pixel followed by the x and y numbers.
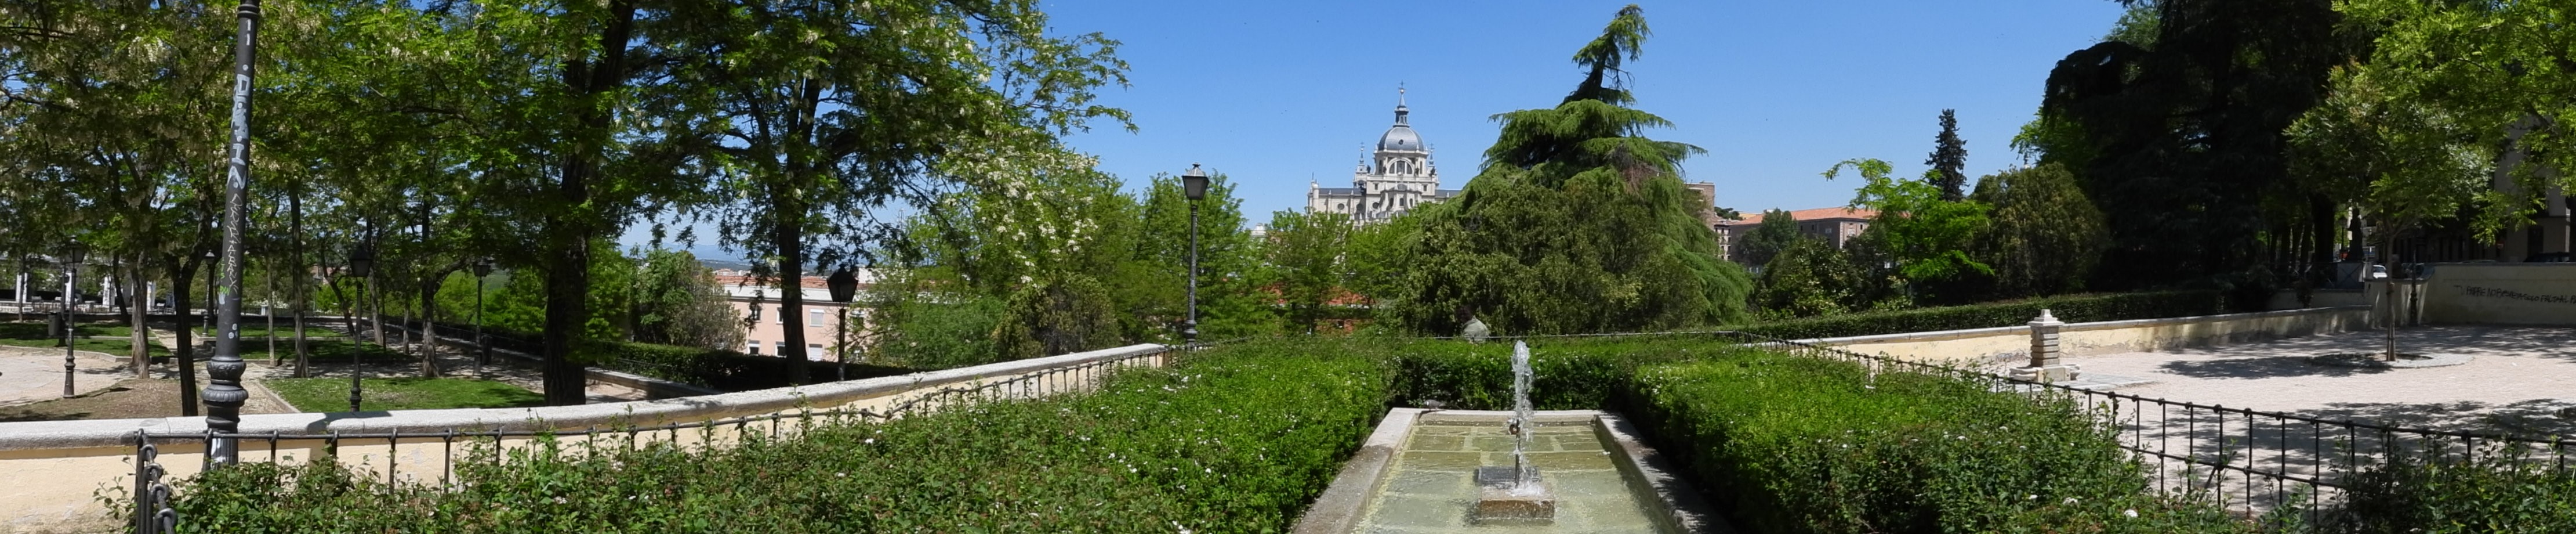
pixel 2045 363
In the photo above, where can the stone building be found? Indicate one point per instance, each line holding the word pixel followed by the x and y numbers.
pixel 1398 176
pixel 1836 226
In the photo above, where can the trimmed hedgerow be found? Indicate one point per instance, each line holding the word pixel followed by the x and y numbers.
pixel 1796 444
pixel 1233 440
pixel 724 370
pixel 2440 493
pixel 2075 308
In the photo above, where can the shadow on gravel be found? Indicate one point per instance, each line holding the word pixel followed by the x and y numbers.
pixel 2253 368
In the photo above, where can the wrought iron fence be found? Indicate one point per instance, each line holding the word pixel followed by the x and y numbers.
pixel 2287 467
pixel 152 512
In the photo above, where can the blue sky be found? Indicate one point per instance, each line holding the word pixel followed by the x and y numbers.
pixel 1276 93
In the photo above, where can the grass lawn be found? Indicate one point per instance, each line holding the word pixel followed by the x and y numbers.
pixel 331 394
pixel 40 330
pixel 324 351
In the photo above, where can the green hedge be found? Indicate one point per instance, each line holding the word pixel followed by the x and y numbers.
pixel 1795 445
pixel 1234 440
pixel 2073 309
pixel 724 369
pixel 2498 492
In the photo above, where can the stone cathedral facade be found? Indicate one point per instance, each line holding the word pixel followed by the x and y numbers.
pixel 1398 176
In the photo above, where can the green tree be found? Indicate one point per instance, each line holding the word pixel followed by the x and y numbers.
pixel 1809 278
pixel 2045 237
pixel 821 112
pixel 1926 237
pixel 1576 223
pixel 1777 232
pixel 2185 130
pixel 1949 159
pixel 1230 301
pixel 1305 254
pixel 678 302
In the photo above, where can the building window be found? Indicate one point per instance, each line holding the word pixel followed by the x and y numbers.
pixel 753 348
pixel 782 347
pixel 814 318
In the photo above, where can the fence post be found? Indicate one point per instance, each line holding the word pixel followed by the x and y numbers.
pixel 2045 365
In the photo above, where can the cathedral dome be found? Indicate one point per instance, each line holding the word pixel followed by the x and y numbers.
pixel 1400 137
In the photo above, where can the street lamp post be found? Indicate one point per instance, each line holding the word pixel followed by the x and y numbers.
pixel 72 257
pixel 482 269
pixel 1194 185
pixel 844 286
pixel 361 262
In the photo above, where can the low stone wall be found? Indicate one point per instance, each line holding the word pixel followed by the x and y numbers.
pixel 2501 293
pixel 1982 345
pixel 53 467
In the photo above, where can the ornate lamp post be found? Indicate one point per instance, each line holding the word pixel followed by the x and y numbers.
pixel 844 286
pixel 361 262
pixel 482 269
pixel 73 254
pixel 1194 185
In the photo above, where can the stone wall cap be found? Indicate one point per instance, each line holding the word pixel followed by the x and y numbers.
pixel 31 435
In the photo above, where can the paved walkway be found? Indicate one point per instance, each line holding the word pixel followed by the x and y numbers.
pixel 31 374
pixel 2518 379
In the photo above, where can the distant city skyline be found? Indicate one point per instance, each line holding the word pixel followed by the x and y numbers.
pixel 1277 94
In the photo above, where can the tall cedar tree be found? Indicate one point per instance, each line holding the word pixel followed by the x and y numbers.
pixel 1949 159
pixel 1576 223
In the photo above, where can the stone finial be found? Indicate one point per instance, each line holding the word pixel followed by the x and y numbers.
pixel 1476 330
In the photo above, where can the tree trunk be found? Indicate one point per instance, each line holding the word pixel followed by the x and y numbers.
pixel 139 320
pixel 570 227
pixel 295 221
pixel 187 350
pixel 791 288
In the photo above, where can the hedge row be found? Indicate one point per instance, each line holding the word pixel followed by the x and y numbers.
pixel 2073 309
pixel 1235 441
pixel 1796 445
pixel 725 370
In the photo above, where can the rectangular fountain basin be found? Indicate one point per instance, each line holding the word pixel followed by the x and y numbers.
pixel 1417 474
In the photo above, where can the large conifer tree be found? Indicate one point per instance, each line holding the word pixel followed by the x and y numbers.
pixel 1576 223
pixel 1949 159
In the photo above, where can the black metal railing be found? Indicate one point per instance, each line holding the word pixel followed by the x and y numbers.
pixel 152 513
pixel 2253 463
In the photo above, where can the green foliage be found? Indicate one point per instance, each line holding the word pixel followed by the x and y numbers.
pixel 2436 492
pixel 1794 444
pixel 1304 255
pixel 1949 159
pixel 678 302
pixel 1777 232
pixel 2179 137
pixel 1238 439
pixel 1926 236
pixel 931 330
pixel 1056 316
pixel 724 369
pixel 1811 278
pixel 331 394
pixel 2071 308
pixel 2045 237
pixel 1577 223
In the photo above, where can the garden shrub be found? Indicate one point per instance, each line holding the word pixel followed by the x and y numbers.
pixel 1237 439
pixel 1794 444
pixel 2501 491
pixel 2077 308
pixel 724 369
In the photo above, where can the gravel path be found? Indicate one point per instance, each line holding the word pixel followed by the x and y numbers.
pixel 2516 381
